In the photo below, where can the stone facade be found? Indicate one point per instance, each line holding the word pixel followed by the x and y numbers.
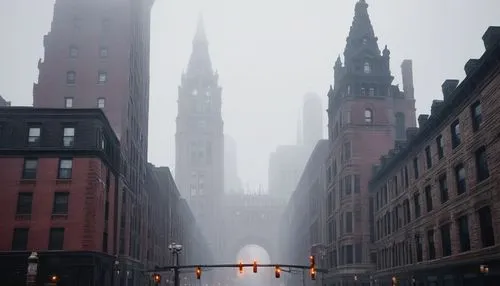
pixel 436 209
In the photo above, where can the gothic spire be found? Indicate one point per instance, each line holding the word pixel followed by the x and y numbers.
pixel 361 34
pixel 199 61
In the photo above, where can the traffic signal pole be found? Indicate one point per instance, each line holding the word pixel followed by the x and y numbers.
pixel 177 281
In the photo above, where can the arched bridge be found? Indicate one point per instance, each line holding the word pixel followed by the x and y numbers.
pixel 247 220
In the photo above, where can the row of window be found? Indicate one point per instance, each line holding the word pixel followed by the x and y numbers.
pixel 68 102
pixel 401 213
pixel 59 206
pixel 65 169
pixel 102 77
pixel 35 133
pixel 21 235
pixel 482 171
pixel 74 52
pixel 401 253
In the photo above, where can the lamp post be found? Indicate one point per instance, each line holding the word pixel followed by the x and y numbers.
pixel 32 269
pixel 175 249
pixel 115 272
pixel 484 269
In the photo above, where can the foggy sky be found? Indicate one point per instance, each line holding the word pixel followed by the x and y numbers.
pixel 269 53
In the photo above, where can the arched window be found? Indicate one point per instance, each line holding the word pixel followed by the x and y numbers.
pixel 368 116
pixel 400 126
pixel 367 67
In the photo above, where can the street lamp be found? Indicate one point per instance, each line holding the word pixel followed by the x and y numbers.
pixel 32 269
pixel 175 249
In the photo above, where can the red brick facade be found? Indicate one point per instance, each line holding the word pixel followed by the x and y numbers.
pixel 420 247
pixel 83 224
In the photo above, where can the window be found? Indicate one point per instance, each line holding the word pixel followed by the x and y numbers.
pixel 348 90
pixel 428 197
pixel 357 184
pixel 348 254
pixel 428 157
pixel 463 233
pixel 446 240
pixel 443 188
pixel 430 243
pixel 482 170
pixel 20 239
pixel 416 203
pixel 406 209
pixel 371 91
pixel 406 177
pixel 368 116
pixel 68 102
pixel 367 68
pixel 65 168
pixel 460 179
pixel 103 52
pixel 56 239
pixel 455 134
pixel 73 52
pixel 418 242
pixel 348 184
pixel 71 77
pixel 400 126
pixel 102 77
pixel 29 169
pixel 396 185
pixel 415 168
pixel 101 102
pixel 477 116
pixel 69 136
pixel 60 203
pixel 24 203
pixel 486 225
pixel 34 135
pixel 362 91
pixel 348 222
pixel 440 146
pixel 358 253
pixel 347 151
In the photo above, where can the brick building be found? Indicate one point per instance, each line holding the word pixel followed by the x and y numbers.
pixel 59 176
pixel 436 208
pixel 302 219
pixel 363 107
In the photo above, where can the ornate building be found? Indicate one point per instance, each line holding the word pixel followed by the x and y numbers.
pixel 363 107
pixel 200 139
pixel 436 204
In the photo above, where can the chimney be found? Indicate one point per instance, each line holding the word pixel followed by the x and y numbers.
pixel 407 74
pixel 470 66
pixel 436 107
pixel 411 132
pixel 422 119
pixel 448 87
pixel 491 37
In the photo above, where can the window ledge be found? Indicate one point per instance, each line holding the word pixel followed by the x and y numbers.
pixel 59 216
pixel 63 181
pixel 23 217
pixel 28 181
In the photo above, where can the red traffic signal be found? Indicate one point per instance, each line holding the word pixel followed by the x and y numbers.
pixel 313 273
pixel 198 272
pixel 241 267
pixel 312 262
pixel 157 278
pixel 255 266
pixel 277 272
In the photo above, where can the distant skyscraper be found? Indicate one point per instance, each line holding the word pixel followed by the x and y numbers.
pixel 285 168
pixel 312 120
pixel 232 182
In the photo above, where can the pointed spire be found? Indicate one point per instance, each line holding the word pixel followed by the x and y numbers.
pixel 200 36
pixel 361 33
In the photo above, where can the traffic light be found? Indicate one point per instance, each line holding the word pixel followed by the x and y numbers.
pixel 198 272
pixel 277 272
pixel 54 278
pixel 255 266
pixel 312 263
pixel 313 273
pixel 157 278
pixel 241 267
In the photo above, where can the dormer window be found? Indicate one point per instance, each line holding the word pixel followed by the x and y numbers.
pixel 367 68
pixel 368 116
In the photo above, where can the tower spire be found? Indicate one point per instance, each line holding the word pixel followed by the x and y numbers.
pixel 200 36
pixel 361 34
pixel 200 62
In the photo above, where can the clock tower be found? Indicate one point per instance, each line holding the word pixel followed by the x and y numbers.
pixel 199 166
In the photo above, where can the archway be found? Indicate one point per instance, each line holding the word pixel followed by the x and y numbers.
pixel 247 254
